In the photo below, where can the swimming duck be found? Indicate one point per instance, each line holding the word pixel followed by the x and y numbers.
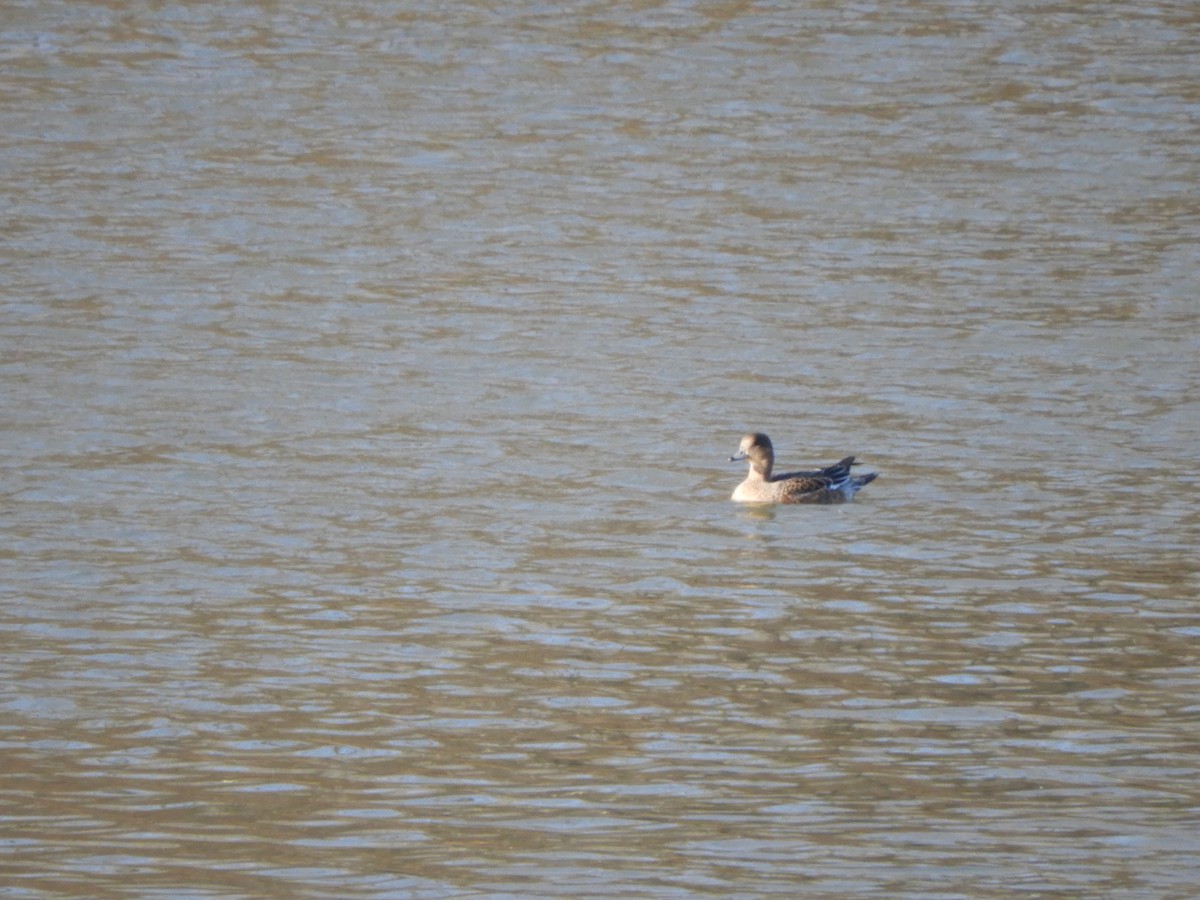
pixel 834 484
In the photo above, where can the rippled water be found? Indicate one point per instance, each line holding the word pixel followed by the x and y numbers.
pixel 369 376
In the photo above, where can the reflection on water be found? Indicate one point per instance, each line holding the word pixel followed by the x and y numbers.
pixel 369 379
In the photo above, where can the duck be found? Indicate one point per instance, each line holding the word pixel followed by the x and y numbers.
pixel 833 484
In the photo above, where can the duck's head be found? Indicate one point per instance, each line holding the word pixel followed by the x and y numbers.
pixel 757 449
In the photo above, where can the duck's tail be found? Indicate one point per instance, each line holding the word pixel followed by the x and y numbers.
pixel 861 481
pixel 839 481
pixel 840 477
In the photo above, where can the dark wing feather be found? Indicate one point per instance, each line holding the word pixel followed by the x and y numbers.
pixel 836 472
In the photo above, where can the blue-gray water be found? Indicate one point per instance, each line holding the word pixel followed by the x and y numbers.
pixel 369 372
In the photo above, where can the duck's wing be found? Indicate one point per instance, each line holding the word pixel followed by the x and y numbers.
pixel 837 472
pixel 814 489
pixel 840 470
pixel 823 486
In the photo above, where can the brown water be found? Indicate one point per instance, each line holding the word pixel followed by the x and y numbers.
pixel 369 372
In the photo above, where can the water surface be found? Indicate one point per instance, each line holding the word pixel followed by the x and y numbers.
pixel 369 372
